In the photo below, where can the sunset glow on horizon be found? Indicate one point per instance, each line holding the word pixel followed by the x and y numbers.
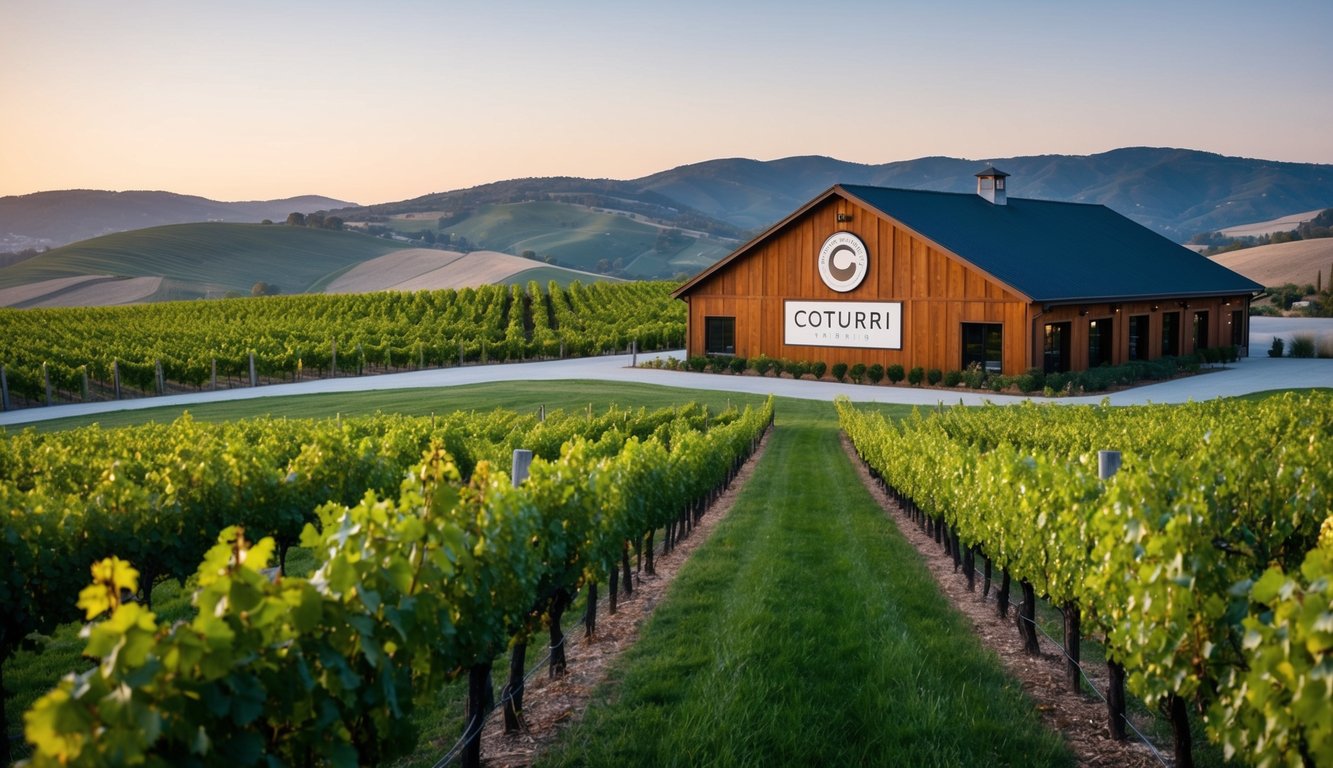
pixel 375 103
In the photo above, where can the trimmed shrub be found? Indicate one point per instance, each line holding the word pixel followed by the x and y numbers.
pixel 953 378
pixel 858 373
pixel 895 373
pixel 719 364
pixel 698 364
pixel 1302 345
pixel 916 376
pixel 974 376
pixel 762 364
pixel 818 368
pixel 933 376
pixel 839 371
pixel 738 365
pixel 1277 348
pixel 1028 383
pixel 875 373
pixel 796 368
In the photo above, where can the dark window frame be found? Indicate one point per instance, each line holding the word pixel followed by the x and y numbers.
pixel 720 335
pixel 987 338
pixel 1138 336
pixel 1101 332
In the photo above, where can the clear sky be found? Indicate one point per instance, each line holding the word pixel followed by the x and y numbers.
pixel 374 102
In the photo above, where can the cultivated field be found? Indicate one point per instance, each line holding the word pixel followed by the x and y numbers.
pixel 425 269
pixel 1297 262
pixel 1280 224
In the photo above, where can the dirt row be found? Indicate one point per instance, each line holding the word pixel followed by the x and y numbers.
pixel 1081 718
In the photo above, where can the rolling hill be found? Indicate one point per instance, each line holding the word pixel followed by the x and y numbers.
pixel 50 219
pixel 591 239
pixel 1298 262
pixel 210 260
pixel 206 260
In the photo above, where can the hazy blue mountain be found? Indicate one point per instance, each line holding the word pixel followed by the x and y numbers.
pixel 1178 192
pixel 56 218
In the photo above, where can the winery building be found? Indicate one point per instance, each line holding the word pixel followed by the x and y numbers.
pixel 942 280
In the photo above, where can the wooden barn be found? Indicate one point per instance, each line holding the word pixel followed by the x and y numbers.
pixel 943 280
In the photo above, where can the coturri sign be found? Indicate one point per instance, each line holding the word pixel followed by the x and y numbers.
pixel 843 261
pixel 863 324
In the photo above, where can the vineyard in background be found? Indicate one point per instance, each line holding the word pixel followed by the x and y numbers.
pixel 99 353
pixel 1201 562
pixel 430 563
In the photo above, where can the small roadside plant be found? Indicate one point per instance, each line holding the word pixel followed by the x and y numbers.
pixel 933 376
pixel 796 368
pixel 875 373
pixel 858 373
pixel 762 364
pixel 953 378
pixel 840 371
pixel 718 364
pixel 1277 348
pixel 738 365
pixel 974 376
pixel 896 373
pixel 916 376
pixel 818 368
pixel 1302 345
pixel 698 364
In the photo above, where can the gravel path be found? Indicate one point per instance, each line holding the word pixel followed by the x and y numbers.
pixel 1253 374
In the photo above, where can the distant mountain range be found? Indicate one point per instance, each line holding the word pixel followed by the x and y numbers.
pixel 1177 192
pixel 50 219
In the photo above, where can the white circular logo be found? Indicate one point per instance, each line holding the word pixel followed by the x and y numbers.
pixel 843 261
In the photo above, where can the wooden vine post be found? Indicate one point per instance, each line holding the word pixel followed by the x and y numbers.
pixel 1108 462
pixel 512 695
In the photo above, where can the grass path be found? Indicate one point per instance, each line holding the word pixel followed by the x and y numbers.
pixel 807 631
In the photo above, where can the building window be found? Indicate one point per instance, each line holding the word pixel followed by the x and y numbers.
pixel 1056 348
pixel 1200 334
pixel 1138 337
pixel 1170 333
pixel 1100 341
pixel 719 335
pixel 983 343
pixel 1238 328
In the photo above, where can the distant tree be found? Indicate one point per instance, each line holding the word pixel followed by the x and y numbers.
pixel 315 220
pixel 333 222
pixel 428 236
pixel 296 219
pixel 604 266
pixel 262 288
pixel 266 222
pixel 529 255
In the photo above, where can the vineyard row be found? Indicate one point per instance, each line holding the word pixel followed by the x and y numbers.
pixel 1205 562
pixel 430 564
pixel 83 353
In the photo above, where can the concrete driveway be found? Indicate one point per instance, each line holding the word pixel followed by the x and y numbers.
pixel 1253 374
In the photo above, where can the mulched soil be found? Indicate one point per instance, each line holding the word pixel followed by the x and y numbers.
pixel 1081 718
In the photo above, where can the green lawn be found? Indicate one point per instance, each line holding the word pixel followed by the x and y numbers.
pixel 807 632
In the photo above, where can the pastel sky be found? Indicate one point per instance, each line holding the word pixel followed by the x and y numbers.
pixel 373 102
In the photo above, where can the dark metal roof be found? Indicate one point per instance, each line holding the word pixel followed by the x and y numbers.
pixel 990 170
pixel 1055 252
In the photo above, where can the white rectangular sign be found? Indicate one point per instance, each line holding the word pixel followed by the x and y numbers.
pixel 864 324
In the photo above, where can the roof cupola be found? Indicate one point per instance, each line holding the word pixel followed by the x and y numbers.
pixel 990 184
